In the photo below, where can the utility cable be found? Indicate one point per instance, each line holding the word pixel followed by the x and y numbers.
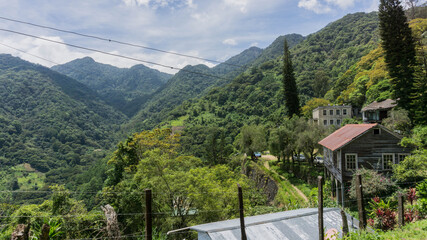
pixel 19 50
pixel 114 55
pixel 118 42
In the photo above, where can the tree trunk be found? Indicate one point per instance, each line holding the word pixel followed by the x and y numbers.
pixel 112 223
pixel 21 232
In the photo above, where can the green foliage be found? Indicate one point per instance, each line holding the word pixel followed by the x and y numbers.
pixel 51 123
pixel 422 198
pixel 398 120
pixel 289 85
pixel 399 47
pixel 119 87
pixel 374 184
pixel 252 139
pixel 411 231
pixel 414 167
pixel 191 82
pixel 419 101
pixel 186 192
pixel 334 49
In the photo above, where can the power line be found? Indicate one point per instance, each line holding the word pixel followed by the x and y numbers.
pixel 113 54
pixel 119 42
pixel 19 50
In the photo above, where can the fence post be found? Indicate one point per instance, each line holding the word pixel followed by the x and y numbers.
pixel 360 204
pixel 148 218
pixel 401 210
pixel 320 205
pixel 45 232
pixel 242 217
pixel 344 223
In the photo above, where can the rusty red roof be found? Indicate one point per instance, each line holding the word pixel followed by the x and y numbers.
pixel 345 135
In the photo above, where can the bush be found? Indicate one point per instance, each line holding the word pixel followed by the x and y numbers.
pixel 374 184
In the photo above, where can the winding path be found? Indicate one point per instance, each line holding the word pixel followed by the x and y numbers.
pixel 267 165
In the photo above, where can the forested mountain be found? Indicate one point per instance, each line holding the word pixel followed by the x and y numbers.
pixel 190 82
pixel 126 89
pixel 196 81
pixel 51 122
pixel 368 80
pixel 323 56
pixel 256 96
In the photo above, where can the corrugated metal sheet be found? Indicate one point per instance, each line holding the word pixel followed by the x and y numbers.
pixel 345 135
pixel 292 225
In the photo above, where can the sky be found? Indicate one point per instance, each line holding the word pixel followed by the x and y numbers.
pixel 208 29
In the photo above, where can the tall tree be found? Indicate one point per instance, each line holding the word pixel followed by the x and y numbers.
pixel 399 47
pixel 289 84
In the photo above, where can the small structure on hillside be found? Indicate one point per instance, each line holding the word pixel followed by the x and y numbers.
pixel 293 224
pixel 355 146
pixel 331 115
pixel 377 111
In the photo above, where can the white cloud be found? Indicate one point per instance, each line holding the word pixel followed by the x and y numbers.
pixel 343 4
pixel 239 4
pixel 136 2
pixel 373 7
pixel 325 6
pixel 314 5
pixel 230 41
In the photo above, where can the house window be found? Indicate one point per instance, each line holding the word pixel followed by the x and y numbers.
pixel 325 122
pixel 331 112
pixel 350 161
pixel 324 112
pixel 331 122
pixel 338 122
pixel 377 131
pixel 388 159
pixel 338 112
pixel 344 112
pixel 401 157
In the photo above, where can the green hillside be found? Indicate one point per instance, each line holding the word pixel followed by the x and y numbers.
pixel 191 82
pixel 51 122
pixel 334 49
pixel 126 89
pixel 368 80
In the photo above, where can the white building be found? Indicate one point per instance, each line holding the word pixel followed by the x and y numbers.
pixel 331 115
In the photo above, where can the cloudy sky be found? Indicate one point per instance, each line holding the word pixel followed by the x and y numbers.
pixel 210 29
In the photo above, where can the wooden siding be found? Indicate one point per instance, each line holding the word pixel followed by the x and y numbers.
pixel 369 148
pixel 330 162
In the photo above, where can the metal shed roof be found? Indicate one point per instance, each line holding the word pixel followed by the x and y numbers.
pixel 293 225
pixel 344 135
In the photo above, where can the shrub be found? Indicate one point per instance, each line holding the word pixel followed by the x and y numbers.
pixel 374 184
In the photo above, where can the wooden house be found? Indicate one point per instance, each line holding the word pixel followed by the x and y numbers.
pixel 355 146
pixel 377 111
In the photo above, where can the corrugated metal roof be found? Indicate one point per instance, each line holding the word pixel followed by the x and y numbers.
pixel 345 135
pixel 386 104
pixel 293 225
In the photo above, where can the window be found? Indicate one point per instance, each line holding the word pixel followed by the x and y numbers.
pixel 338 112
pixel 377 131
pixel 331 122
pixel 331 112
pixel 338 122
pixel 350 161
pixel 388 159
pixel 325 122
pixel 344 112
pixel 401 157
pixel 324 112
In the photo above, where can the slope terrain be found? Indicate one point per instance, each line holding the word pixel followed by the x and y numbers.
pixel 126 89
pixel 51 122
